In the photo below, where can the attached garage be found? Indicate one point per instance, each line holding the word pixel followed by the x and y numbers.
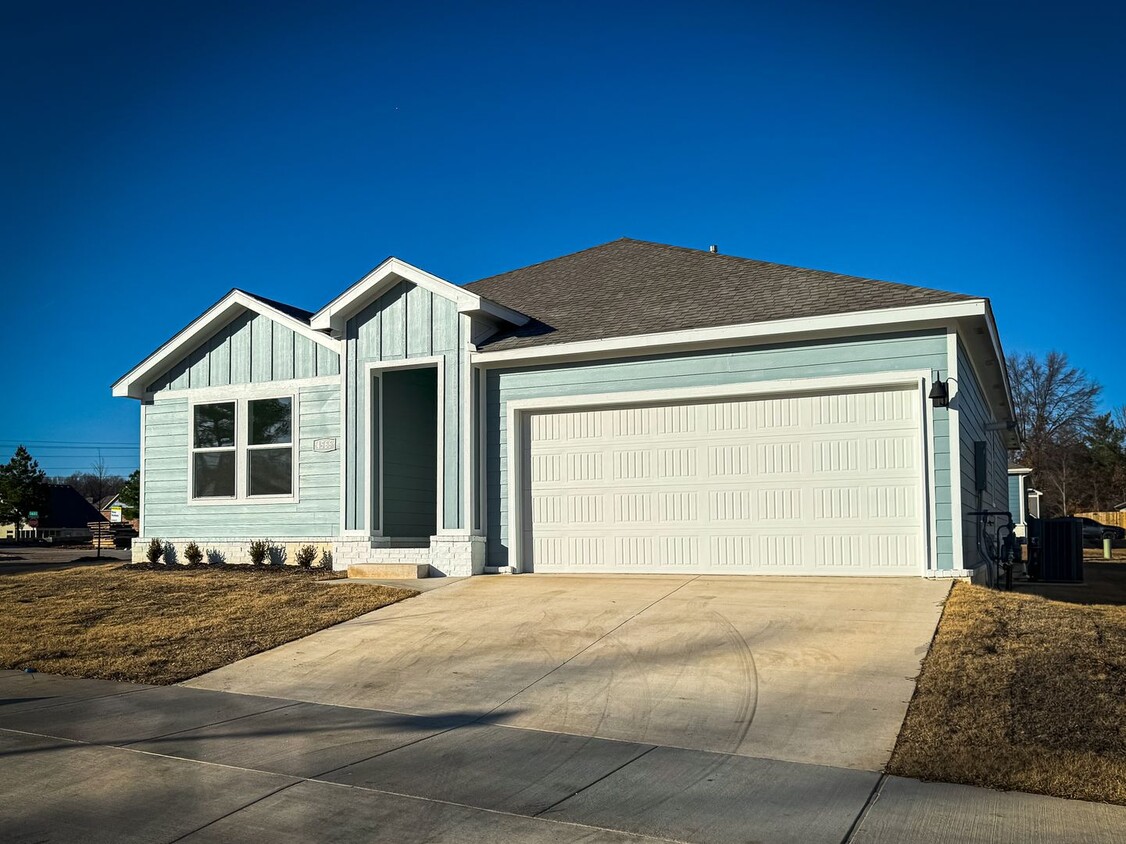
pixel 827 483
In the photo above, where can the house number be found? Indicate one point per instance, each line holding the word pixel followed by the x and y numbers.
pixel 325 445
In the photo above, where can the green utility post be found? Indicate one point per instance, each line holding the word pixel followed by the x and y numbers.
pixel 1106 547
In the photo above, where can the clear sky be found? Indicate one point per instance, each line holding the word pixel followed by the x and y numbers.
pixel 158 154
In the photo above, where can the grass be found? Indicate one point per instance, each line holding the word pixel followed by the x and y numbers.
pixel 165 625
pixel 1095 553
pixel 1024 693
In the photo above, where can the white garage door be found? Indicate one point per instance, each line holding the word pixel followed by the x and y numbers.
pixel 827 484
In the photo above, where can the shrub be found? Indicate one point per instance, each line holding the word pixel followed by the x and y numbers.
pixel 259 548
pixel 155 551
pixel 305 556
pixel 326 559
pixel 193 554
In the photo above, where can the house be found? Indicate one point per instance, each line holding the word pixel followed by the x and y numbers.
pixel 67 516
pixel 111 508
pixel 1024 501
pixel 633 407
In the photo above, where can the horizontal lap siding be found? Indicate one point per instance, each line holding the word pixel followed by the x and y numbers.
pixel 166 455
pixel 251 349
pixel 973 415
pixel 915 351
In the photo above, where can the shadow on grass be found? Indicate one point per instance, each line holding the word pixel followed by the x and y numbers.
pixel 1104 583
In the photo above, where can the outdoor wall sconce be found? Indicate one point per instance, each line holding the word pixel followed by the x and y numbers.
pixel 940 394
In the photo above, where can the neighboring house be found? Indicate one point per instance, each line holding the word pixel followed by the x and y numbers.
pixel 111 508
pixel 1024 501
pixel 66 516
pixel 633 407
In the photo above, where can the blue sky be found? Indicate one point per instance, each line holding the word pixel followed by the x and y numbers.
pixel 159 154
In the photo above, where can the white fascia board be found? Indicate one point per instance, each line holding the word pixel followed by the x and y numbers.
pixel 985 353
pixel 333 315
pixel 1020 471
pixel 132 384
pixel 888 318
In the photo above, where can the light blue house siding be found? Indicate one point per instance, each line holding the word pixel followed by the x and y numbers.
pixel 251 349
pixel 1014 497
pixel 406 322
pixel 923 350
pixel 167 512
pixel 974 414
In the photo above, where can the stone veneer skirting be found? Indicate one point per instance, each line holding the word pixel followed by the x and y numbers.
pixel 449 555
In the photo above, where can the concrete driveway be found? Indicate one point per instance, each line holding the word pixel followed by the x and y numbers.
pixel 812 670
pixel 670 666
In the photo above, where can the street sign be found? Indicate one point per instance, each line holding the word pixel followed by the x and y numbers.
pixel 34 514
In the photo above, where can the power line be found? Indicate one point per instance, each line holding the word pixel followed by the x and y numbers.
pixel 67 444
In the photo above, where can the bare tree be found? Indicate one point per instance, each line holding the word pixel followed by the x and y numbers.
pixel 1055 407
pixel 1055 401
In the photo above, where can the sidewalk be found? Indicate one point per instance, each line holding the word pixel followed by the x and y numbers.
pixel 114 762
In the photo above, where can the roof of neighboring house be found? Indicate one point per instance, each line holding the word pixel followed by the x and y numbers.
pixel 66 508
pixel 107 501
pixel 630 287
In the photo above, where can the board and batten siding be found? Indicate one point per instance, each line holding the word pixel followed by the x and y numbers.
pixel 974 414
pixel 923 350
pixel 251 349
pixel 165 452
pixel 405 322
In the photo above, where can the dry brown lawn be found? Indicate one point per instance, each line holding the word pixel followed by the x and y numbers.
pixel 1095 554
pixel 165 626
pixel 1021 692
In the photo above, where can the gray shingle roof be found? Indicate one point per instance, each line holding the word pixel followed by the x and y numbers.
pixel 629 287
pixel 297 313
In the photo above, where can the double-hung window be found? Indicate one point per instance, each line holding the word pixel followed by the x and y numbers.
pixel 269 447
pixel 214 454
pixel 243 449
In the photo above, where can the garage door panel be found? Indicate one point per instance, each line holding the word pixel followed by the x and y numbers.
pixel 800 484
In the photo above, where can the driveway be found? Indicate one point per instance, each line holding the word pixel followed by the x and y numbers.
pixel 670 666
pixel 812 670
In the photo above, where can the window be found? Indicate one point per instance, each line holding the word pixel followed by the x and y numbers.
pixel 213 450
pixel 269 456
pixel 242 449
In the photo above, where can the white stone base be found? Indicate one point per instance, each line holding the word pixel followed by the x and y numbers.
pixel 233 551
pixel 449 555
pixel 950 574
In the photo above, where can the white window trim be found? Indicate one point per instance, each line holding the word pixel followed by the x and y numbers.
pixel 518 409
pixel 242 450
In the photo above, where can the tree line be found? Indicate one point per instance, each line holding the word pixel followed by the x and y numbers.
pixel 1077 454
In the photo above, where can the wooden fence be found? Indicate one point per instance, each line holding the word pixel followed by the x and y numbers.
pixel 1111 517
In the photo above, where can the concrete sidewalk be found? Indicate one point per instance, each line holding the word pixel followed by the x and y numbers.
pixel 101 761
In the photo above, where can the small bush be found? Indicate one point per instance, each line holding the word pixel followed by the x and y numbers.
pixel 193 554
pixel 155 551
pixel 216 557
pixel 305 556
pixel 259 548
pixel 326 560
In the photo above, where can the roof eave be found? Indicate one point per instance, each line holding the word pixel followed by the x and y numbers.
pixel 334 316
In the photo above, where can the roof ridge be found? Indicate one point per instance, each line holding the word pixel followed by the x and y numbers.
pixel 549 260
pixel 900 285
pixel 779 265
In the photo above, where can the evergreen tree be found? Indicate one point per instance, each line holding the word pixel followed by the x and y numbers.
pixel 23 488
pixel 131 495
